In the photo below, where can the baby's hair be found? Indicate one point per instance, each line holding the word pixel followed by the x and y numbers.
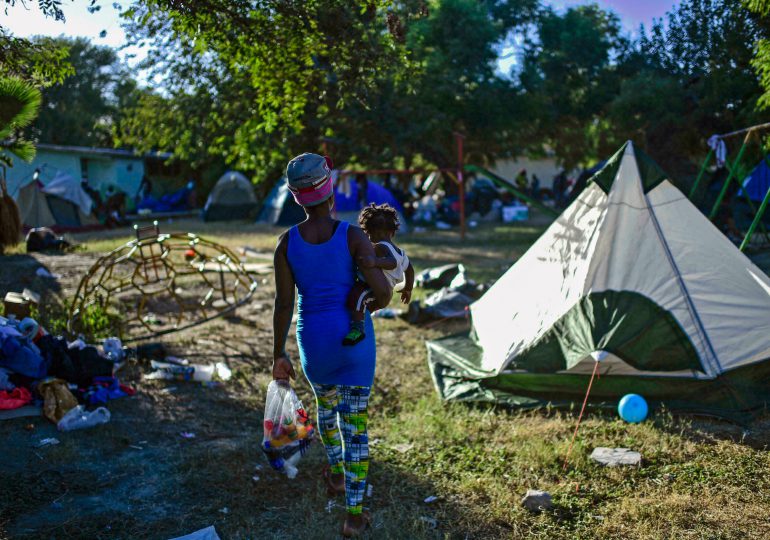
pixel 379 217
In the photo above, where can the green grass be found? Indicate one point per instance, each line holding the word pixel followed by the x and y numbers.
pixel 699 478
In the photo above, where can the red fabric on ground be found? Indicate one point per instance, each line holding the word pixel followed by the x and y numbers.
pixel 18 397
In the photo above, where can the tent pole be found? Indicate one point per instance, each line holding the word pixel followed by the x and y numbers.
pixel 700 174
pixel 722 193
pixel 757 220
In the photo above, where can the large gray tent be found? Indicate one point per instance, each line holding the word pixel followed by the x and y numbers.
pixel 631 270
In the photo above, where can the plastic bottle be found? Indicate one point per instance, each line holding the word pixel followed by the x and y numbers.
pixel 80 418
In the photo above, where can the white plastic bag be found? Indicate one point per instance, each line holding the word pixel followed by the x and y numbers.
pixel 288 430
pixel 80 418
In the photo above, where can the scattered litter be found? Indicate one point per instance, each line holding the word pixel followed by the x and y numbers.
pixel 223 372
pixel 77 344
pixel 331 505
pixel 209 533
pixel 31 296
pixel 536 500
pixel 369 490
pixel 57 399
pixel 255 478
pixel 80 418
pixel 375 441
pixel 187 434
pixel 257 467
pixel 50 441
pixel 615 457
pixel 403 447
pixel 443 226
pixel 600 518
pixel 42 272
pixel 429 521
pixel 142 442
pixel 438 277
pixel 113 349
pixel 387 313
pixel 224 510
pixel 150 318
pixel 188 372
pixel 135 447
pixel 168 390
pixel 430 499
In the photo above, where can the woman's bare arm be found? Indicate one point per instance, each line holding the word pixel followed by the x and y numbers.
pixel 282 311
pixel 361 248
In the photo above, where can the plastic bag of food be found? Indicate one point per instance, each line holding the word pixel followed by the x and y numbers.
pixel 288 429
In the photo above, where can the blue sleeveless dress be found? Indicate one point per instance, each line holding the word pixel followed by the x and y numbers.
pixel 324 274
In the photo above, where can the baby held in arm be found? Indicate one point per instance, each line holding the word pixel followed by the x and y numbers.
pixel 380 223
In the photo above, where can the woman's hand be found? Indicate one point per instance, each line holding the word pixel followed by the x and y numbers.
pixel 282 368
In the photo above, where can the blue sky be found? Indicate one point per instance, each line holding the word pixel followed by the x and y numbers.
pixel 29 21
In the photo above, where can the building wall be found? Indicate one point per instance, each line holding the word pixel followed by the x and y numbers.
pixel 48 162
pixel 125 173
pixel 545 169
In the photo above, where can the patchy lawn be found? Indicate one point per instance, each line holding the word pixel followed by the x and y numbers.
pixel 136 477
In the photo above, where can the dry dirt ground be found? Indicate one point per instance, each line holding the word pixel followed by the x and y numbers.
pixel 136 477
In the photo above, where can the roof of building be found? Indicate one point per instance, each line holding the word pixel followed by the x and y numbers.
pixel 110 152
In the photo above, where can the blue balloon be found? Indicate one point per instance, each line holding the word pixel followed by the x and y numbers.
pixel 633 408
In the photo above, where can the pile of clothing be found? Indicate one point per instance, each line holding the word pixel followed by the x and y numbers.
pixel 63 377
pixel 453 295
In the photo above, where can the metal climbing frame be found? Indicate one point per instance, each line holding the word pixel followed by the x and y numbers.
pixel 160 283
pixel 734 173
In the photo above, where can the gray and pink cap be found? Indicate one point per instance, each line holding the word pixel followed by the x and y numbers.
pixel 309 178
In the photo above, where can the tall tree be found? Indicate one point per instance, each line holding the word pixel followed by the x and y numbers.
pixel 253 82
pixel 691 77
pixel 568 74
pixel 83 109
pixel 453 86
pixel 383 83
pixel 761 61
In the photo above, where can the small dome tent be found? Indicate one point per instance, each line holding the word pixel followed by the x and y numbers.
pixel 231 198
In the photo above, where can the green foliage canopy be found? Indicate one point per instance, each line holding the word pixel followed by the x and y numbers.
pixel 381 83
pixel 84 108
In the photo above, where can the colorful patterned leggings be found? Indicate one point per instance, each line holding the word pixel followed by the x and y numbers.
pixel 346 407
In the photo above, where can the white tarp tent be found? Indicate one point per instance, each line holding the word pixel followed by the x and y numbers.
pixel 68 188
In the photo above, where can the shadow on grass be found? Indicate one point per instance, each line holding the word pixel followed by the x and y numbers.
pixel 137 477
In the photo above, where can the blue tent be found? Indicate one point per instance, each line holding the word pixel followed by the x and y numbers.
pixel 758 182
pixel 375 193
